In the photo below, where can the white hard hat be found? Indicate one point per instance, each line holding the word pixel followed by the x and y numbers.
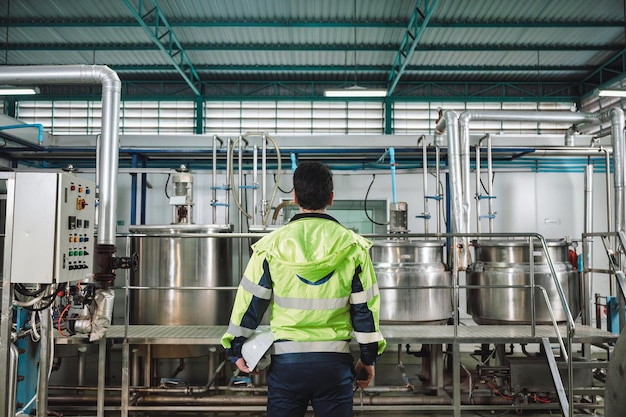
pixel 255 350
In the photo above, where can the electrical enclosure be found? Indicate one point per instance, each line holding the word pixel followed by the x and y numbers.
pixel 53 228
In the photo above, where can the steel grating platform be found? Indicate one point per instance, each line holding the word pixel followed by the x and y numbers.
pixel 394 334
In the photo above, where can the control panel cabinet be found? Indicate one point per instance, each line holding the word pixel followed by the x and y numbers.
pixel 53 228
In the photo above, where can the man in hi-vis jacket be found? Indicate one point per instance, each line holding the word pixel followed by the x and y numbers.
pixel 317 278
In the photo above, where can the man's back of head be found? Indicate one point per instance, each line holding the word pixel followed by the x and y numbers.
pixel 313 185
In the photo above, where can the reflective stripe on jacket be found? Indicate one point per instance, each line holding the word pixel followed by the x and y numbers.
pixel 318 279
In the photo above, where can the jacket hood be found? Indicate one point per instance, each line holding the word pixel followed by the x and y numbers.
pixel 311 246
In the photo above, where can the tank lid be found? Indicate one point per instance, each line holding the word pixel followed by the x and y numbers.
pixel 180 228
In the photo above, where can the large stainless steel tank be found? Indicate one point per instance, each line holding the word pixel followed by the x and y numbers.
pixel 507 263
pixel 403 268
pixel 167 259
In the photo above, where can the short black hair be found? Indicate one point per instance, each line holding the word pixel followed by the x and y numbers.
pixel 313 185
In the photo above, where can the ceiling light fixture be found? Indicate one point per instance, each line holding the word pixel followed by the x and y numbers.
pixel 18 91
pixel 355 90
pixel 612 93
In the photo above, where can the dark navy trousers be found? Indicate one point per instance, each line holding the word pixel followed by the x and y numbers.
pixel 326 380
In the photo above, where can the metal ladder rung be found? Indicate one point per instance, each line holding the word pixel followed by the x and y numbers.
pixel 589 391
pixel 584 364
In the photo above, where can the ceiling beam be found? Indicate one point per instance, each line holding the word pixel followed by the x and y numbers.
pixel 417 24
pixel 364 68
pixel 372 23
pixel 612 70
pixel 299 90
pixel 164 37
pixel 309 47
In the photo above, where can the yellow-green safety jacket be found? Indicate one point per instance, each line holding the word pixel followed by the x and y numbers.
pixel 317 278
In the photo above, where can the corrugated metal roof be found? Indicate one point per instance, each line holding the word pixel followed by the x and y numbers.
pixel 315 41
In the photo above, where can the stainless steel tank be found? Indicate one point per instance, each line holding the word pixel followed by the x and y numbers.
pixel 507 263
pixel 403 269
pixel 167 259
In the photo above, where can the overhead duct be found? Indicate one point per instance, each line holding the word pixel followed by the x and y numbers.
pixel 107 163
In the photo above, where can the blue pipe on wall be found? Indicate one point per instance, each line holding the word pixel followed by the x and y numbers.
pixel 39 127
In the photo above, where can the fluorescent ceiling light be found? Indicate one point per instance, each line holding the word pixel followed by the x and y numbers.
pixel 356 91
pixel 612 93
pixel 17 91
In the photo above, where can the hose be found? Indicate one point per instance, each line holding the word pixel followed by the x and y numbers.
pixel 231 175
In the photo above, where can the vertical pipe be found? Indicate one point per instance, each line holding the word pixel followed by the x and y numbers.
pixel 111 89
pixel 213 182
pixel 263 177
pixel 240 191
pixel 133 191
pixel 609 209
pixel 125 379
pixel 228 186
pixel 97 208
pixel 587 256
pixel 490 183
pixel 533 288
pixel 255 181
pixel 240 194
pixel 437 182
pixel 44 363
pixel 80 368
pixel 144 193
pixel 617 135
pixel 425 181
pixel 587 245
pixel 450 124
pixel 392 164
pixel 102 351
pixel 570 136
pixel 135 368
pixel 477 187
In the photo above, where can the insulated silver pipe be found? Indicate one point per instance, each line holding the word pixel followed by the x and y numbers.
pixel 108 160
pixel 609 209
pixel 570 136
pixel 617 134
pixel 501 115
pixel 449 125
pixel 458 205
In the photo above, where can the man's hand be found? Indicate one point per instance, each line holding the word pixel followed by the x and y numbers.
pixel 364 374
pixel 241 364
